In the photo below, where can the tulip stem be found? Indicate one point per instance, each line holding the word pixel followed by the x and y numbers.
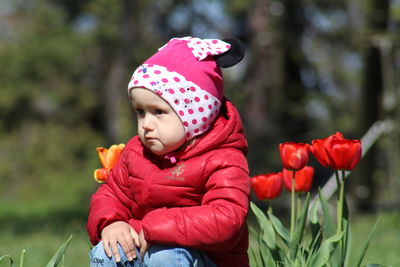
pixel 292 219
pixel 269 210
pixel 337 183
pixel 340 204
pixel 298 204
pixel 340 211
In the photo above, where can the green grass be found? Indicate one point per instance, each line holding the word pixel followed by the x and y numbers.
pixel 41 240
pixel 41 234
pixel 42 244
pixel 385 245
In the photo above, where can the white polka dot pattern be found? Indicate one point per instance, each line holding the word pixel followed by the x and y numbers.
pixel 196 108
pixel 201 48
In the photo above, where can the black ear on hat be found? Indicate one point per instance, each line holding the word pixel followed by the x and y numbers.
pixel 231 57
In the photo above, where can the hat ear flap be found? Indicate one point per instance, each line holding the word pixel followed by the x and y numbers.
pixel 231 57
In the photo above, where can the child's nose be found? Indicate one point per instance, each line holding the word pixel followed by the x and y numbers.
pixel 147 123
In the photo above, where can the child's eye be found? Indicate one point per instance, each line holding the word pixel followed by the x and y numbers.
pixel 159 112
pixel 139 112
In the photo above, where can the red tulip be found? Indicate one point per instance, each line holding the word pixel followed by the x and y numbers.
pixel 318 148
pixel 267 186
pixel 294 156
pixel 344 154
pixel 303 179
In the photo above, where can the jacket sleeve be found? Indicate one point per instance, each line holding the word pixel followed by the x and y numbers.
pixel 216 225
pixel 111 202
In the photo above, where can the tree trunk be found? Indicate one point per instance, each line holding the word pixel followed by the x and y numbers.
pixel 115 81
pixel 293 118
pixel 371 104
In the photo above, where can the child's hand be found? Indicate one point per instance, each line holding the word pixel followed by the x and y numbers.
pixel 120 233
pixel 144 246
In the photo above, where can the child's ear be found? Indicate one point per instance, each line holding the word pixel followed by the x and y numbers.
pixel 231 57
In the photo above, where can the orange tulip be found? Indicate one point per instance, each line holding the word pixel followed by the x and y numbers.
pixel 303 179
pixel 101 175
pixel 294 156
pixel 108 158
pixel 267 186
pixel 319 151
pixel 344 154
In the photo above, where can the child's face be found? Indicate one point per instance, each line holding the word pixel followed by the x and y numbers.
pixel 159 127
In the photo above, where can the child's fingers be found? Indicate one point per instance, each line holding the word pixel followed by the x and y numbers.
pixel 129 248
pixel 115 252
pixel 144 246
pixel 135 237
pixel 106 246
pixel 143 250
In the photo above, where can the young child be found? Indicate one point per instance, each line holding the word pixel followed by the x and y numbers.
pixel 179 194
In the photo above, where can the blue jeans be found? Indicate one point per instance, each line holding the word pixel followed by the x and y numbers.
pixel 156 256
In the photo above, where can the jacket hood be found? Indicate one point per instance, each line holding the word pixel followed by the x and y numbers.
pixel 226 132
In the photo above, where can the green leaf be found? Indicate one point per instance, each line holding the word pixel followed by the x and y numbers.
pixel 59 254
pixel 348 241
pixel 314 246
pixel 365 247
pixel 329 224
pixel 265 252
pixel 315 227
pixel 254 260
pixel 267 230
pixel 335 238
pixel 314 214
pixel 299 229
pixel 279 228
pixel 86 237
pixel 254 250
pixel 266 238
pixel 7 257
pixel 322 256
pixel 347 234
pixel 21 261
pixel 254 246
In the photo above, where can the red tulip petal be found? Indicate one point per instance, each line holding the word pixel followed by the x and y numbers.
pixel 355 154
pixel 344 153
pixel 303 179
pixel 294 156
pixel 267 186
pixel 318 151
pixel 320 148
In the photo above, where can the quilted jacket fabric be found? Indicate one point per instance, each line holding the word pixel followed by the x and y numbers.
pixel 200 202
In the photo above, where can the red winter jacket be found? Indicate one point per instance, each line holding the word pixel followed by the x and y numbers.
pixel 199 202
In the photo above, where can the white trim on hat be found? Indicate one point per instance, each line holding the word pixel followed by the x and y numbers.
pixel 196 108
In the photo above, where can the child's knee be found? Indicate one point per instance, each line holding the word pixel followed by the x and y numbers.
pixel 166 256
pixel 98 256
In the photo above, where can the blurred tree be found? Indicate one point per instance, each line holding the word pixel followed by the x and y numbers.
pixel 44 102
pixel 293 119
pixel 65 66
pixel 371 98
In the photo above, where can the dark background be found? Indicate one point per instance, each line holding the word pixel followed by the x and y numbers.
pixel 312 68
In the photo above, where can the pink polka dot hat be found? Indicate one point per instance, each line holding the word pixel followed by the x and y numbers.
pixel 186 73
